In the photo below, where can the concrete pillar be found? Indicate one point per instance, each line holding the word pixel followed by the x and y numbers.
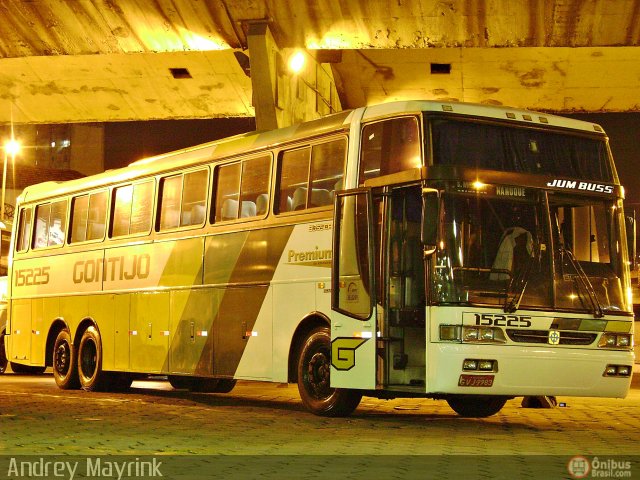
pixel 87 148
pixel 280 97
pixel 262 50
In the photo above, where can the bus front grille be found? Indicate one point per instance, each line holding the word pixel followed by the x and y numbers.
pixel 542 336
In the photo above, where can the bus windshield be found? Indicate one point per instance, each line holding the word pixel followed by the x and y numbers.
pixel 514 251
pixel 522 150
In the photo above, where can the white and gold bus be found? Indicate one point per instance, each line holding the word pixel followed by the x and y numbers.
pixel 412 249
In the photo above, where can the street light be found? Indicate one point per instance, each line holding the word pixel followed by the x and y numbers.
pixel 12 147
pixel 296 62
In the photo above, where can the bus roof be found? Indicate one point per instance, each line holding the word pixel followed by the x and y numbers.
pixel 257 141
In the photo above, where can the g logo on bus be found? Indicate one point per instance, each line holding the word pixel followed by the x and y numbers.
pixel 343 352
pixel 554 337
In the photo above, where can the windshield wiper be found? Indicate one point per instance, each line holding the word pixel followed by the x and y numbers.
pixel 517 286
pixel 584 280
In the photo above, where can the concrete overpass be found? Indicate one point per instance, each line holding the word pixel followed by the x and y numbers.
pixel 116 60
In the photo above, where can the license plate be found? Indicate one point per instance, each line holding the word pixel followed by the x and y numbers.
pixel 476 380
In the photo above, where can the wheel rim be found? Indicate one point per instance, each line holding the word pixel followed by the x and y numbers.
pixel 62 359
pixel 88 358
pixel 317 378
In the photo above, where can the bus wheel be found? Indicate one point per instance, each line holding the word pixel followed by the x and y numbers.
pixel 65 366
pixel 476 406
pixel 3 356
pixel 92 377
pixel 314 367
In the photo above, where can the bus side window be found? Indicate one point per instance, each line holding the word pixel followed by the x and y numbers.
pixel 183 199
pixel 309 177
pixel 88 215
pixel 142 208
pixel 50 224
pixel 79 217
pixel 242 189
pixel 194 198
pixel 171 193
pixel 121 211
pixel 327 171
pixel 24 230
pixel 97 215
pixel 294 177
pixel 389 146
pixel 254 186
pixel 132 208
pixel 227 192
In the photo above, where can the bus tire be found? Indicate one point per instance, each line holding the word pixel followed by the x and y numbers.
pixel 476 406
pixel 314 368
pixel 64 361
pixel 3 355
pixel 92 377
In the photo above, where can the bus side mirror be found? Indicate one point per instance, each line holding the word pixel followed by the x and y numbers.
pixel 430 216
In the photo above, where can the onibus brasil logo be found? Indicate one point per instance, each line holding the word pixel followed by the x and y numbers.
pixel 581 467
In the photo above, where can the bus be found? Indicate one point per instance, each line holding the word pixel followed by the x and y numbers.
pixel 5 240
pixel 463 252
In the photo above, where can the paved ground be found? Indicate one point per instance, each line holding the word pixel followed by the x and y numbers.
pixel 259 422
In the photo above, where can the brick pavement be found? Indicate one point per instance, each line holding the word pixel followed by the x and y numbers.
pixel 264 419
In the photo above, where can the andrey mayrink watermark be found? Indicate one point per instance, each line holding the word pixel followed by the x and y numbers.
pixel 91 467
pixel 582 467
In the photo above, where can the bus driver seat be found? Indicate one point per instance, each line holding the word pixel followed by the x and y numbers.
pixel 511 247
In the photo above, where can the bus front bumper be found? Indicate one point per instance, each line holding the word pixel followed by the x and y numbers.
pixel 524 371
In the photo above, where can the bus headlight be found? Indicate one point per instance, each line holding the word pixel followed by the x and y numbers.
pixel 615 340
pixel 473 334
pixel 470 334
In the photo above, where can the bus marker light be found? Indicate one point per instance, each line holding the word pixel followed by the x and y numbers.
pixel 482 365
pixel 165 333
pixel 617 371
pixel 485 365
pixel 624 370
pixel 470 364
pixel 133 332
pixel 363 334
pixel 202 333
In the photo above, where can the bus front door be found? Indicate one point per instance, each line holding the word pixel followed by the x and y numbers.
pixel 401 287
pixel 354 311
